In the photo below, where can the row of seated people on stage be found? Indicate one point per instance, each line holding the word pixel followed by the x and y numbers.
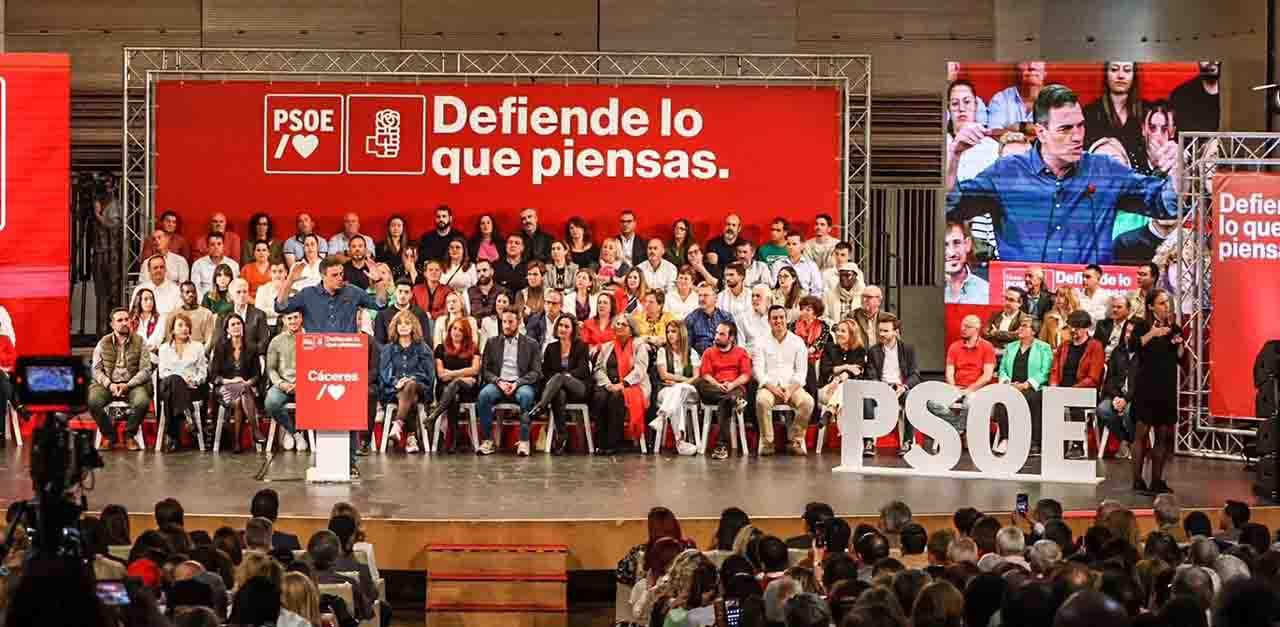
pixel 1131 356
pixel 458 256
pixel 252 574
pixel 612 349
pixel 1040 568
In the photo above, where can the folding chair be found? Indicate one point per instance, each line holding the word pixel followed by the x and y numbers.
pixel 694 424
pixel 582 409
pixel 388 416
pixel 271 430
pixel 737 428
pixel 442 424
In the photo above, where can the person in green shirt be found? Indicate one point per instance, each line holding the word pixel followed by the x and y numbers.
pixel 777 247
pixel 1025 365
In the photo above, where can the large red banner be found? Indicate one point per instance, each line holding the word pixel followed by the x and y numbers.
pixel 35 226
pixel 333 384
pixel 666 152
pixel 1246 262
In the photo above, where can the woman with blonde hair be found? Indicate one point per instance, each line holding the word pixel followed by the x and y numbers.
pixel 406 375
pixel 258 564
pixel 183 370
pixel 677 370
pixel 842 360
pixel 455 309
pixel 611 268
pixel 300 596
pixel 1054 330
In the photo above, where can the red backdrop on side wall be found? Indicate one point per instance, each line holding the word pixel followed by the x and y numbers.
pixel 238 147
pixel 35 226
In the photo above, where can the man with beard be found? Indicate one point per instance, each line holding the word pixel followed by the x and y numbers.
pixel 1057 203
pixel 963 286
pixel 511 271
pixel 435 244
pixel 722 381
pixel 357 268
pixel 1148 273
pixel 537 244
pixel 720 250
pixel 1196 100
pixel 840 302
pixel 121 372
pixel 202 320
pixel 484 294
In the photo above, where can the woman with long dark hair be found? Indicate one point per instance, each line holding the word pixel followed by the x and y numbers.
pixel 257 271
pixel 561 271
pixel 583 251
pixel 397 241
pixel 234 372
pixel 599 328
pixel 459 272
pixel 457 372
pixel 1119 111
pixel 662 523
pixel 484 244
pixel 1160 349
pixel 788 292
pixel 218 299
pixel 732 520
pixel 146 319
pixel 681 240
pixel 261 229
pixel 566 365
pixel 630 295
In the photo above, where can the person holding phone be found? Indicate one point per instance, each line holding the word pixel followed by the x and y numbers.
pixel 1160 349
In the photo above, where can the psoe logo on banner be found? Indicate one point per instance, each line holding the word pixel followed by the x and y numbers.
pixel 386 134
pixel 302 134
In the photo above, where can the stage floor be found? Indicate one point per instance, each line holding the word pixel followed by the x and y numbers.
pixel 582 488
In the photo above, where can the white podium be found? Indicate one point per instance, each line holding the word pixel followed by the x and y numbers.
pixel 332 458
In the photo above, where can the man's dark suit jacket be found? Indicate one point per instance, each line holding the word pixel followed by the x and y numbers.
pixel 906 363
pixel 528 360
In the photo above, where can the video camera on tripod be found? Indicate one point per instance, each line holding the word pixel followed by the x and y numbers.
pixel 61 459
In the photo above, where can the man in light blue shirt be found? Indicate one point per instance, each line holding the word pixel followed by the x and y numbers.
pixel 807 271
pixel 963 286
pixel 1011 106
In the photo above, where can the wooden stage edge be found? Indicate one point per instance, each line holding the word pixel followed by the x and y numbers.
pixel 594 544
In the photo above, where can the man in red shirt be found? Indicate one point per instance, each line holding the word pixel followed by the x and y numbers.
pixel 971 364
pixel 722 381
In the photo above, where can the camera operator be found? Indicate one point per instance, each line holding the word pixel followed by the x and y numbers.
pixel 121 372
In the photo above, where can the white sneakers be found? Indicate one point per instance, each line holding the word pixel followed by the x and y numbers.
pixel 300 443
pixel 412 446
pixel 1001 447
pixel 286 440
pixel 686 448
pixel 396 428
pixel 522 449
pixel 486 448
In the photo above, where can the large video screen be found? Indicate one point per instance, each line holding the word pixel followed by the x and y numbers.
pixel 1054 166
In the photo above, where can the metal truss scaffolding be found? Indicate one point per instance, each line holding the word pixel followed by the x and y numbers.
pixel 1204 156
pixel 144 66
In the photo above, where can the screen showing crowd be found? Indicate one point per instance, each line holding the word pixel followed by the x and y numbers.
pixel 1063 165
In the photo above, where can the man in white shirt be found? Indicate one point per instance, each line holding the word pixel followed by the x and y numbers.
pixel 755 324
pixel 1093 298
pixel 757 272
pixel 168 294
pixel 658 273
pixel 780 362
pixel 819 248
pixel 631 247
pixel 177 269
pixel 202 270
pixel 339 243
pixel 736 297
pixel 806 270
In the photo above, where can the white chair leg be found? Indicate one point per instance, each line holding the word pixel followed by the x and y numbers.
pixel 271 435
pixel 424 441
pixel 217 430
pixel 195 408
pixel 386 430
pixel 822 438
pixel 707 418
pixel 311 439
pixel 644 445
pixel 742 432
pixel 97 438
pixel 162 423
pixel 438 430
pixel 662 434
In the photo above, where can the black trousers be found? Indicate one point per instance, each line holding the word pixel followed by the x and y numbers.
pixel 177 396
pixel 726 403
pixel 610 409
pixel 451 396
pixel 559 390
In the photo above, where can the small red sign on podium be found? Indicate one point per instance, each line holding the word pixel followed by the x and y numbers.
pixel 333 381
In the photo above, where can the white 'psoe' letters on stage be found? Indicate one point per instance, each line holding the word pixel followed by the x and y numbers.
pixel 1054 467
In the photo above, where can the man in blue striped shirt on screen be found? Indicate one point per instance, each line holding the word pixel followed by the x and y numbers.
pixel 1057 203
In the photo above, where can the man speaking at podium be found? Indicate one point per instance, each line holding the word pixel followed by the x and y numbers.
pixel 333 306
